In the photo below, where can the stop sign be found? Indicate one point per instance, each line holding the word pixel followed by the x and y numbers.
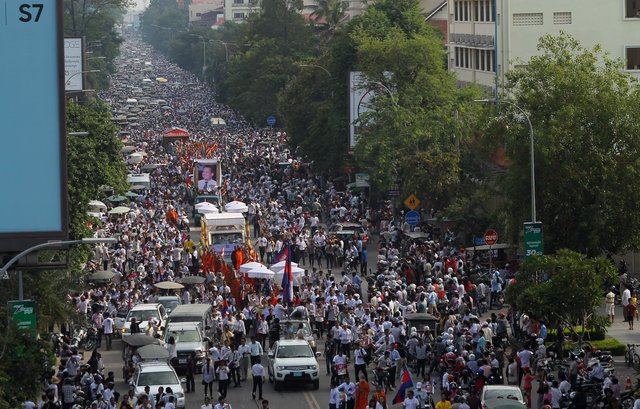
pixel 490 237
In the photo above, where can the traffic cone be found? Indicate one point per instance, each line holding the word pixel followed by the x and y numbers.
pixel 627 384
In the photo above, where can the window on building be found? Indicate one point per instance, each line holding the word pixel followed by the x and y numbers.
pixel 238 1
pixel 527 19
pixel 238 16
pixel 488 10
pixel 632 8
pixel 633 58
pixel 483 61
pixel 562 17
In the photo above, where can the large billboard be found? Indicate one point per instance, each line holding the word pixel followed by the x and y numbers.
pixel 73 78
pixel 33 208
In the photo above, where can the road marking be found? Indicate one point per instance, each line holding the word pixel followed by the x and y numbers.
pixel 313 400
pixel 307 398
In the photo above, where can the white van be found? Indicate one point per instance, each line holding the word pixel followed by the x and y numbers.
pixel 225 231
pixel 139 179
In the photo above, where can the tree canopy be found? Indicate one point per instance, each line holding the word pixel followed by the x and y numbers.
pixel 565 288
pixel 584 112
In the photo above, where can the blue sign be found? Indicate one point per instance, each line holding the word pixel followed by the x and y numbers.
pixel 412 218
pixel 478 241
pixel 33 122
pixel 271 120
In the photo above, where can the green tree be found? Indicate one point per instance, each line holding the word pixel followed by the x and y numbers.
pixel 276 37
pixel 412 129
pixel 333 12
pixel 584 112
pixel 565 288
pixel 93 161
pixel 95 20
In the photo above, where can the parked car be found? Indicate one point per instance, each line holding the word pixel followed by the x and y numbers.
pixel 155 375
pixel 145 314
pixel 292 360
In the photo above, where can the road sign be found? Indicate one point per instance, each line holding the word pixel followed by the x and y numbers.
pixel 393 192
pixel 478 241
pixel 24 313
pixel 490 237
pixel 271 120
pixel 412 202
pixel 533 239
pixel 412 218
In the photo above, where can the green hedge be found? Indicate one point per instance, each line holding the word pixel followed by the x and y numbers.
pixel 590 335
pixel 612 345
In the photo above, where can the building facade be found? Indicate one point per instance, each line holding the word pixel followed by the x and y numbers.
pixel 482 51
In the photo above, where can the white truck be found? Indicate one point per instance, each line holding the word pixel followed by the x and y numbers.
pixel 223 231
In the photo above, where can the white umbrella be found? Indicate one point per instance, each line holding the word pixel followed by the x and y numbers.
pixel 134 160
pixel 139 153
pixel 280 265
pixel 128 148
pixel 294 270
pixel 261 272
pixel 119 210
pixel 208 210
pixel 98 204
pixel 244 268
pixel 236 207
pixel 206 207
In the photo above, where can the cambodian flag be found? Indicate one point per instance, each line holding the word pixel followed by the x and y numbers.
pixel 281 255
pixel 287 277
pixel 406 384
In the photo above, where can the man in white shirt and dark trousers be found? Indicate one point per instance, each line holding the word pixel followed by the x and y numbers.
pixel 360 364
pixel 257 370
pixel 107 327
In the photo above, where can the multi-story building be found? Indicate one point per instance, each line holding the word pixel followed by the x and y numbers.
pixel 482 51
pixel 198 9
pixel 238 10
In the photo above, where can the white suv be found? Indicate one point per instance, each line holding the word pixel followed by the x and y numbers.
pixel 292 360
pixel 144 314
pixel 157 374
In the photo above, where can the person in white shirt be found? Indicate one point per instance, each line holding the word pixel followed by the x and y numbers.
pixel 245 352
pixel 207 403
pixel 222 404
pixel 107 327
pixel 360 364
pixel 257 370
pixel 346 338
pixel 334 396
pixel 410 402
pixel 223 378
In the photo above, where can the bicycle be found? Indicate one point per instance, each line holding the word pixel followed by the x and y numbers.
pixel 631 357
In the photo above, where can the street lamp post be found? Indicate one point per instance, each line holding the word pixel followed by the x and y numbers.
pixel 204 54
pixel 51 244
pixel 226 48
pixel 533 171
pixel 317 66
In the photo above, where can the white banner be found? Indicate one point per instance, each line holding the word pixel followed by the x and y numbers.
pixel 73 64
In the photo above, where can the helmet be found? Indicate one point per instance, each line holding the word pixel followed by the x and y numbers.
pixel 481 371
pixel 540 341
pixel 450 270
pixel 419 385
pixel 472 357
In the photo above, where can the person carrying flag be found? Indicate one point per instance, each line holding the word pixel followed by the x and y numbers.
pixel 405 384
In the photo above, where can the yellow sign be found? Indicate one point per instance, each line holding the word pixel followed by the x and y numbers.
pixel 412 202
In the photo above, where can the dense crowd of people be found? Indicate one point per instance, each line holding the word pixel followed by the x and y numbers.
pixel 358 293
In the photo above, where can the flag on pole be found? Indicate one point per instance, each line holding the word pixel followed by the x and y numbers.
pixel 405 384
pixel 287 277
